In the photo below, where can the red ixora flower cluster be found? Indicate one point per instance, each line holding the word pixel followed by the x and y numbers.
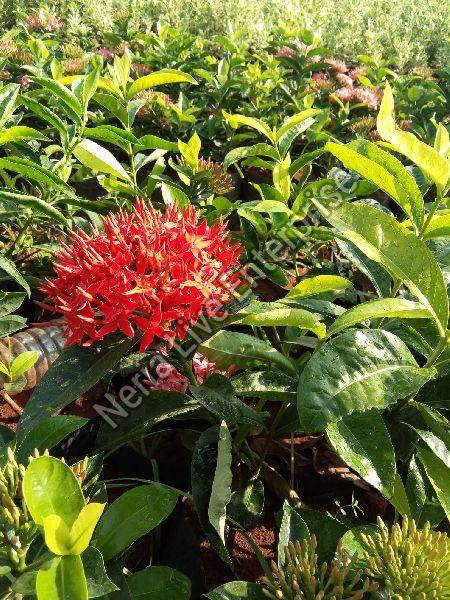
pixel 154 272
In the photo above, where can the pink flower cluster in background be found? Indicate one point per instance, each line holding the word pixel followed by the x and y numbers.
pixel 43 22
pixel 168 378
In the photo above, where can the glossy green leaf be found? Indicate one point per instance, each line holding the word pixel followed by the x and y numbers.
pixel 313 286
pixel 68 101
pixel 64 540
pixel 95 157
pixel 237 590
pixel 380 279
pixel 385 241
pixel 159 583
pixel 379 309
pixel 98 582
pixel 247 504
pixel 190 150
pixel 327 529
pixel 10 301
pixel 63 579
pixel 216 394
pixel 227 348
pixel 162 77
pixel 74 372
pixel 10 324
pixel 8 97
pixel 19 133
pixel 48 433
pixel 292 528
pixel 439 226
pixel 44 113
pixel 439 475
pixel 23 362
pixel 132 515
pixel 274 314
pixel 238 154
pixel 433 164
pixel 153 142
pixel 10 269
pixel 354 372
pixel 418 489
pixel 390 175
pixel 37 173
pixel 242 120
pixel 270 385
pixel 50 487
pixel 36 204
pixel 111 135
pixel 362 441
pixel 221 486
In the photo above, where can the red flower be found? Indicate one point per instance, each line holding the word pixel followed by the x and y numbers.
pixel 154 272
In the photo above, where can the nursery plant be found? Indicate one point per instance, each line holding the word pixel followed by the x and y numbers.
pixel 246 255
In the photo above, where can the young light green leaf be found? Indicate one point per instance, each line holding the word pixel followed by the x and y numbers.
pixel 19 133
pixel 385 241
pixel 239 120
pixel 294 120
pixel 355 372
pixel 191 150
pixel 238 154
pixel 23 362
pixel 274 314
pixel 161 77
pixel 97 158
pixel 64 540
pixel 379 309
pixel 433 164
pixel 320 284
pixel 439 226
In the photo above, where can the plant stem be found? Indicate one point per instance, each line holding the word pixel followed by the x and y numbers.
pixel 430 215
pixel 269 438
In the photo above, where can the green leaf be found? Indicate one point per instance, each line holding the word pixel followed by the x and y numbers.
pixel 293 528
pixel 159 583
pixel 385 171
pixel 32 170
pixel 10 269
pixel 68 101
pixel 247 504
pixel 227 348
pixel 328 532
pixel 89 86
pixel 47 433
pixel 74 372
pixel 36 204
pixel 64 540
pixel 239 120
pixel 10 324
pixel 293 121
pixel 238 154
pixel 386 242
pixel 111 135
pixel 210 461
pixel 23 362
pixel 433 164
pixel 98 582
pixel 132 515
pixel 380 279
pixel 8 96
pixel 439 226
pixel 354 372
pixel 221 486
pixel 379 309
pixel 63 579
pixel 439 475
pixel 10 301
pixel 19 133
pixel 162 77
pixel 191 150
pixel 312 286
pixel 362 441
pixel 44 113
pixel 112 105
pixel 237 590
pixel 95 157
pixel 216 394
pixel 148 410
pixel 270 385
pixel 418 490
pixel 50 487
pixel 153 142
pixel 275 314
pixel 281 177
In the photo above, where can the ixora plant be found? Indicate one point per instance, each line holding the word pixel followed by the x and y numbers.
pixel 366 562
pixel 58 538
